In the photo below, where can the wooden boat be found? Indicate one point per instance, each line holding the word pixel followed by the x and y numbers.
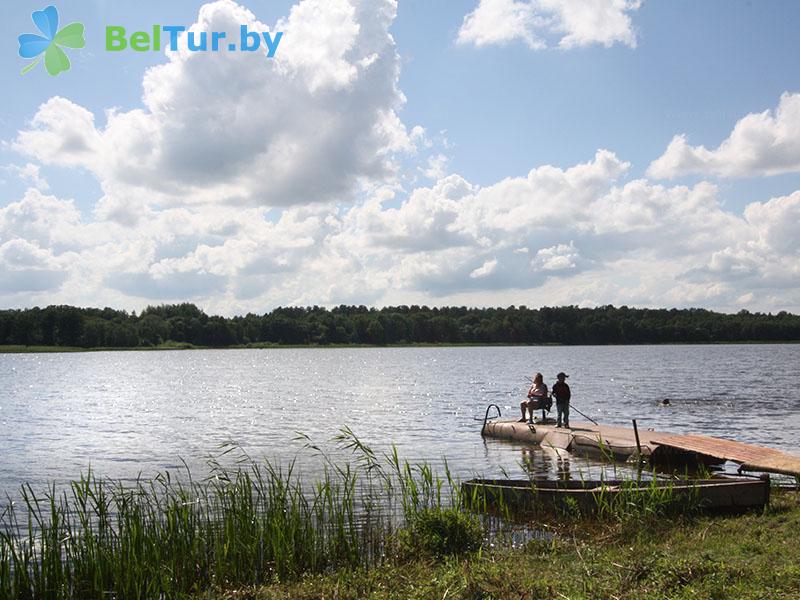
pixel 730 495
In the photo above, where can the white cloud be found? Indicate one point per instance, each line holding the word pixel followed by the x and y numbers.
pixel 25 267
pixel 275 188
pixel 555 258
pixel 500 22
pixel 30 173
pixel 485 269
pixel 47 220
pixel 437 166
pixel 63 133
pixel 311 125
pixel 419 137
pixel 589 239
pixel 21 254
pixel 760 144
pixel 539 23
pixel 777 223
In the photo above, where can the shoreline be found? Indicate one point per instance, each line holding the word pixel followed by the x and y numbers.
pixel 747 556
pixel 20 349
pixel 647 548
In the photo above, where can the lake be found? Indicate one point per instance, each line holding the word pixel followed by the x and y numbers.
pixel 126 413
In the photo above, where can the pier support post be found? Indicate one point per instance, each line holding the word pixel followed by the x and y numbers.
pixel 636 434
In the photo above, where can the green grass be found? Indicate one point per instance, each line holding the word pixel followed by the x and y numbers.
pixel 376 526
pixel 168 345
pixel 749 556
pixel 248 525
pixel 16 349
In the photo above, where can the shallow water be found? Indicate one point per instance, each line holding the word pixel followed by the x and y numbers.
pixel 126 413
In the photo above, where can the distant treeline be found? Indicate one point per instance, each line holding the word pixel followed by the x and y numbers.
pixel 186 323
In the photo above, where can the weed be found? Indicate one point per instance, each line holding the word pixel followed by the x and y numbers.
pixel 441 532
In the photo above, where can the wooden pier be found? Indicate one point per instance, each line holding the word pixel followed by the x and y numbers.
pixel 621 443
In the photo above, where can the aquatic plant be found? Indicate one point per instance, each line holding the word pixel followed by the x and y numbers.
pixel 250 524
pixel 441 532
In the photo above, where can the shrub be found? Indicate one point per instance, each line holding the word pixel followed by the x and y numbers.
pixel 442 531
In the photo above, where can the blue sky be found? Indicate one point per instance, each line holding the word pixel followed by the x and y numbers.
pixel 491 108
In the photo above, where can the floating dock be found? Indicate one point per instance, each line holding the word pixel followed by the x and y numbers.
pixel 659 448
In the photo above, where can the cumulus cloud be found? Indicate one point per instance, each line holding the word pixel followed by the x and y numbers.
pixel 500 22
pixel 437 166
pixel 556 258
pixel 765 259
pixel 63 133
pixel 44 219
pixel 572 235
pixel 274 186
pixel 777 222
pixel 543 23
pixel 485 269
pixel 31 174
pixel 311 125
pixel 25 267
pixel 766 143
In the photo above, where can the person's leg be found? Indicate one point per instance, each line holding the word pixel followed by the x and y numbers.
pixel 559 411
pixel 522 406
pixel 532 406
pixel 566 414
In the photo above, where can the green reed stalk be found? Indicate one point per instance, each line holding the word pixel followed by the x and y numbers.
pixel 248 525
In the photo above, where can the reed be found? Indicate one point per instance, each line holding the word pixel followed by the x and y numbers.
pixel 642 501
pixel 251 524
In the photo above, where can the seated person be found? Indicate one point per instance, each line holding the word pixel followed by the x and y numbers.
pixel 537 398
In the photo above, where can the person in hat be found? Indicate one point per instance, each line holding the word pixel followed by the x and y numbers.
pixel 537 398
pixel 562 393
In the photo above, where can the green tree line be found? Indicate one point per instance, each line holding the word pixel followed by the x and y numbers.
pixel 186 323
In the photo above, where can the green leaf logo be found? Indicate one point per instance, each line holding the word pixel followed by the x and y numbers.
pixel 50 42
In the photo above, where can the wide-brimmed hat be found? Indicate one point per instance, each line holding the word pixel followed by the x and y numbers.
pixel 562 374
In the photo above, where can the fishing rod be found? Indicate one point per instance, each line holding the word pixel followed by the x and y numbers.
pixel 572 407
pixel 584 415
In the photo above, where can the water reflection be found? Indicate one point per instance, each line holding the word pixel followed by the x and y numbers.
pixel 562 472
pixel 126 413
pixel 542 463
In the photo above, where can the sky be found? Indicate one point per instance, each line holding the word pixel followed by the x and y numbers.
pixel 464 152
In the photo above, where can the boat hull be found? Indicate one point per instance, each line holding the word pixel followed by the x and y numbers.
pixel 523 497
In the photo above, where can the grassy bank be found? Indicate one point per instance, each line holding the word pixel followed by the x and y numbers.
pixel 377 527
pixel 18 349
pixel 750 556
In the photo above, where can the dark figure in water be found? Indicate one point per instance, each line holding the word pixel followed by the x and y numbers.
pixel 665 402
pixel 562 393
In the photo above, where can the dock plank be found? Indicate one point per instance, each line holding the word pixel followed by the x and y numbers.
pixel 621 442
pixel 750 456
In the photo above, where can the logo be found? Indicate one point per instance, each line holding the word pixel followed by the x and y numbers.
pixel 177 36
pixel 50 43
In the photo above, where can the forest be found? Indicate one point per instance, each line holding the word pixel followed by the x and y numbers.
pixel 176 324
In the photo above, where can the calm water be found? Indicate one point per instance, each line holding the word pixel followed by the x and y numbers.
pixel 125 413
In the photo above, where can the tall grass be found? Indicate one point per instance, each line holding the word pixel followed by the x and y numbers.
pixel 247 525
pixel 637 501
pixel 250 524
